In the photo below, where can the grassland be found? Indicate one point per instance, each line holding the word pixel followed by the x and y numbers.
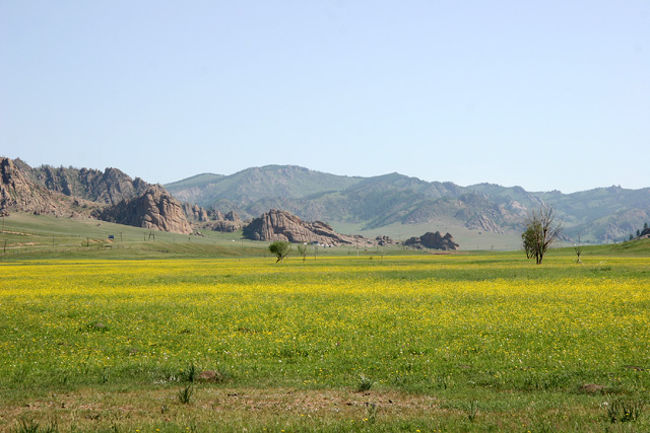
pixel 456 343
pixel 25 236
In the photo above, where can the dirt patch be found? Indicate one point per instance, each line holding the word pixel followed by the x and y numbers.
pixel 92 408
pixel 592 388
pixel 17 233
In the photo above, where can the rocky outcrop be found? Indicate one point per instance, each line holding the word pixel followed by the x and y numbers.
pixel 110 195
pixel 224 226
pixel 18 193
pixel 384 241
pixel 277 225
pixel 15 190
pixel 110 186
pixel 232 216
pixel 155 209
pixel 212 219
pixel 432 241
pixel 195 213
pixel 229 222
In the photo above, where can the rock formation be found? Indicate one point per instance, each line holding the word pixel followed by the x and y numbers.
pixel 212 219
pixel 15 190
pixel 225 226
pixel 18 193
pixel 155 209
pixel 110 186
pixel 195 213
pixel 110 195
pixel 432 241
pixel 277 225
pixel 384 241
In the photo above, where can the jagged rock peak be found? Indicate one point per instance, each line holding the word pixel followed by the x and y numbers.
pixel 433 241
pixel 110 186
pixel 155 209
pixel 14 188
pixel 20 194
pixel 232 216
pixel 195 212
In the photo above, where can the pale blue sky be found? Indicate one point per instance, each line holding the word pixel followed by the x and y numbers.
pixel 465 91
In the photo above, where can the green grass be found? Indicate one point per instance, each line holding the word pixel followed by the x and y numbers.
pixel 457 343
pixel 466 238
pixel 31 236
pixel 26 236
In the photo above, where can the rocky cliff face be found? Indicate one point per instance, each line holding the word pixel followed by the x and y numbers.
pixel 18 193
pixel 432 241
pixel 155 209
pixel 15 190
pixel 277 225
pixel 110 186
pixel 110 195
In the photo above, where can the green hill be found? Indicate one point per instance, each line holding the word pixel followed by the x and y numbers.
pixel 39 236
pixel 395 202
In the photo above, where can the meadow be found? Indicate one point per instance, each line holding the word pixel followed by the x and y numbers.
pixel 419 343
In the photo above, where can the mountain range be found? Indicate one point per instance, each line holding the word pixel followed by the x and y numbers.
pixel 370 204
pixel 479 216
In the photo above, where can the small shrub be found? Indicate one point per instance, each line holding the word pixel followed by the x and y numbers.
pixel 33 427
pixel 444 381
pixel 472 410
pixel 185 394
pixel 365 383
pixel 624 410
pixel 371 412
pixel 27 427
pixel 190 373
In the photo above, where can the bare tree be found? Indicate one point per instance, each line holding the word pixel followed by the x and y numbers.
pixel 578 249
pixel 541 231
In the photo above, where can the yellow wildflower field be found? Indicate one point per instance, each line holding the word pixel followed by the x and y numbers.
pixel 481 334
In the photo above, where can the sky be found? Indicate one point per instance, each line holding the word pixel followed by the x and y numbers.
pixel 542 94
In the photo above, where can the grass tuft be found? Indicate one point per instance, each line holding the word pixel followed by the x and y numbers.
pixel 33 427
pixel 365 383
pixel 624 410
pixel 185 394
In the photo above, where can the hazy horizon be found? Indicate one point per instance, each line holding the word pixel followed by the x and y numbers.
pixel 544 95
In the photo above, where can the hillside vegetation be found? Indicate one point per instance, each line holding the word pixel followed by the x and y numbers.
pixel 27 236
pixel 598 215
